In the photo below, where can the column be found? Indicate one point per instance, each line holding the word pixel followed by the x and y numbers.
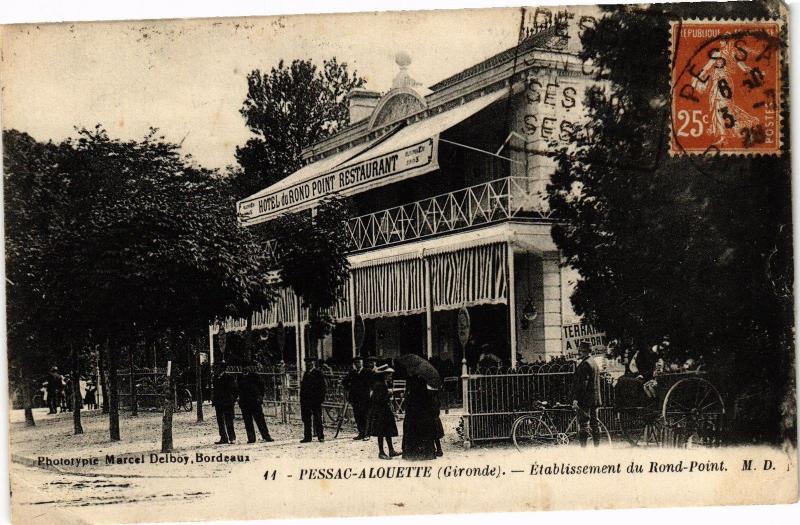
pixel 512 306
pixel 428 309
pixel 353 312
pixel 551 301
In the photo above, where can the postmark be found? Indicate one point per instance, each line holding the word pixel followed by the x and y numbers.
pixel 726 87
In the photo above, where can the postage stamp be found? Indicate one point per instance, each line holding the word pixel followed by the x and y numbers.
pixel 726 87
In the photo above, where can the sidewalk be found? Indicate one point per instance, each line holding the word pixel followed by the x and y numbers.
pixel 52 438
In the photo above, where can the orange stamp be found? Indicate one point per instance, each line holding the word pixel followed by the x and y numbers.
pixel 726 87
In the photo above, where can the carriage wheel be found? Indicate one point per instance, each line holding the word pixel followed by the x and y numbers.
pixel 640 426
pixel 571 434
pixel 532 430
pixel 693 412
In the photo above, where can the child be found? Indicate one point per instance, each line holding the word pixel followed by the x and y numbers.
pixel 380 418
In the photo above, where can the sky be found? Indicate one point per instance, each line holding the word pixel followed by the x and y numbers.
pixel 189 77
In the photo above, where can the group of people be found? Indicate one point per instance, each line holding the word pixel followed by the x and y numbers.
pixel 59 393
pixel 369 394
pixel 248 390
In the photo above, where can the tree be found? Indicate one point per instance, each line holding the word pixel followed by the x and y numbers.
pixel 698 248
pixel 159 250
pixel 288 109
pixel 312 259
pixel 144 243
pixel 33 200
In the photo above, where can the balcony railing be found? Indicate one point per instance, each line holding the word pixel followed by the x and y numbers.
pixel 494 201
pixel 489 202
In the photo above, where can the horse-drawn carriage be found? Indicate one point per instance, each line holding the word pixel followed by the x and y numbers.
pixel 681 409
pixel 676 409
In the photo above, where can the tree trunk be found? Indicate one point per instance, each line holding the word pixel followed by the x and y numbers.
pixel 101 368
pixel 166 422
pixel 27 400
pixel 76 390
pixel 113 405
pixel 132 378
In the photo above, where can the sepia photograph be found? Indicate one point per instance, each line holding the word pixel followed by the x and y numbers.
pixel 452 261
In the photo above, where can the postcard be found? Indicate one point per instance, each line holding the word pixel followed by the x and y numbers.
pixel 449 261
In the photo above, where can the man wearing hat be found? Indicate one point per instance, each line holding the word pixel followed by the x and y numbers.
pixel 224 399
pixel 586 395
pixel 54 386
pixel 357 383
pixel 251 397
pixel 312 394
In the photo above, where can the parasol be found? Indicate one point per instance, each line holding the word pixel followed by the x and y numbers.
pixel 417 366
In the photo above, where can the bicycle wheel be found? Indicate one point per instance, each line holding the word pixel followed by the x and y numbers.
pixel 532 430
pixel 573 428
pixel 185 400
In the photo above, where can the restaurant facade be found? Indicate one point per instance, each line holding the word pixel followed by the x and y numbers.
pixel 451 252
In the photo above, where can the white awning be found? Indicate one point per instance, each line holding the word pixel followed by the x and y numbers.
pixel 407 152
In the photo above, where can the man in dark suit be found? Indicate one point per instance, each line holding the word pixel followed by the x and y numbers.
pixel 224 398
pixel 357 382
pixel 586 396
pixel 312 394
pixel 54 387
pixel 251 395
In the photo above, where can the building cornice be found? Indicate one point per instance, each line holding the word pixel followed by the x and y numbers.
pixel 457 90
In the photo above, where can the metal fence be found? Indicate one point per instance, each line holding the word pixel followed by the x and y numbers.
pixel 149 385
pixel 496 397
pixel 282 394
pixel 281 391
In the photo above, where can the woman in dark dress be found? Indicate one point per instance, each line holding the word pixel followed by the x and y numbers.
pixel 90 399
pixel 436 408
pixel 420 430
pixel 380 418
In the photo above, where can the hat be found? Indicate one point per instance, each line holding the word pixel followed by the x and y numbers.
pixel 584 346
pixel 370 358
pixel 310 359
pixel 384 369
pixel 357 358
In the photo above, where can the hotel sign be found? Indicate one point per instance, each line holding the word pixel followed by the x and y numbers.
pixel 352 178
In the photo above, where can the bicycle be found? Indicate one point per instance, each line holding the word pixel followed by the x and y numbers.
pixel 538 428
pixel 183 399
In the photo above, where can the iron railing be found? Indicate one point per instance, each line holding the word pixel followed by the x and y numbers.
pixel 494 398
pixel 494 201
pixel 486 203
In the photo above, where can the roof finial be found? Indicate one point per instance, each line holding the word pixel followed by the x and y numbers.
pixel 402 59
pixel 403 79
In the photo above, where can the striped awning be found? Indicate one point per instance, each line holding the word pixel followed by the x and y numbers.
pixel 470 276
pixel 230 324
pixel 467 276
pixel 395 288
pixel 340 312
pixel 283 310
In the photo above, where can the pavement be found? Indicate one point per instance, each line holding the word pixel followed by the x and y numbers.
pixel 57 476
